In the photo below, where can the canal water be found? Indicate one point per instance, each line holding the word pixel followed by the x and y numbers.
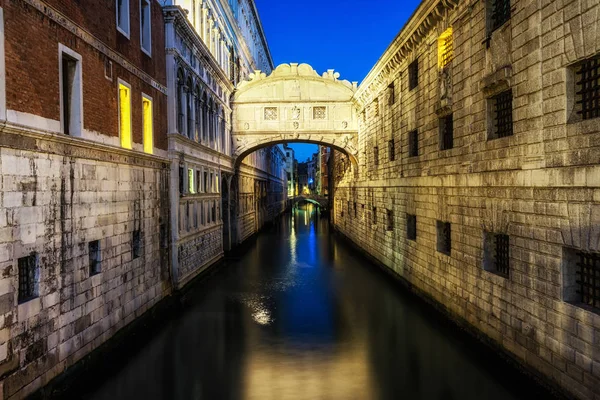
pixel 301 315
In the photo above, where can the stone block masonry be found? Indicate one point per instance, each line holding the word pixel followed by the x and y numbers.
pixel 533 181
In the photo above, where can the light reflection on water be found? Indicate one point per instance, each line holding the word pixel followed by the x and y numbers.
pixel 300 316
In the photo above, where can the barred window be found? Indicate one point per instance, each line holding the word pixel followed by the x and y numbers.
pixel 136 242
pixel 587 91
pixel 500 13
pixel 94 257
pixel 501 124
pixel 444 237
pixel 319 112
pixel 28 272
pixel 392 150
pixel 581 277
pixel 413 143
pixel 374 216
pixel 376 155
pixel 445 48
pixel 411 227
pixel 390 220
pixel 413 75
pixel 497 253
pixel 270 113
pixel 446 132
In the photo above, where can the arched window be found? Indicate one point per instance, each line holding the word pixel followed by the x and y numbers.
pixel 198 113
pixel 180 101
pixel 204 118
pixel 189 109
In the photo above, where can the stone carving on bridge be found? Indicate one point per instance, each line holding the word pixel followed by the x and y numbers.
pixel 294 103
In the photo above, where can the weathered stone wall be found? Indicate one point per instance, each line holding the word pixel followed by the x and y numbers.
pixel 54 204
pixel 199 252
pixel 540 186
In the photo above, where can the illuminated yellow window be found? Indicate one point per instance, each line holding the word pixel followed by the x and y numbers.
pixel 125 116
pixel 147 125
pixel 445 48
pixel 191 186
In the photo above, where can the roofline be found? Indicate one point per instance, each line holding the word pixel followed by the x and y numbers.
pixel 262 32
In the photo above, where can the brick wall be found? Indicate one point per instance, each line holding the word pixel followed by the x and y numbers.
pixel 540 186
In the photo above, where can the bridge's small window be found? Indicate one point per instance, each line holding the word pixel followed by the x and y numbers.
pixel 413 75
pixel 94 257
pixel 271 114
pixel 446 132
pixel 389 220
pixel 136 243
pixel 581 278
pixel 496 253
pixel 411 227
pixel 413 143
pixel 444 237
pixel 391 150
pixel 319 112
pixel 445 48
pixel 28 277
pixel 587 88
pixel 501 115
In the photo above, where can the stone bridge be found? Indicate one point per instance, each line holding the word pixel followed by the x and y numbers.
pixel 320 201
pixel 294 104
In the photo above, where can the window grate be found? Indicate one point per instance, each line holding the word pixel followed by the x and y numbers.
pixel 500 13
pixel 319 112
pixel 501 254
pixel 413 75
pixel 413 143
pixel 503 118
pixel 588 83
pixel 392 150
pixel 446 132
pixel 270 114
pixel 444 239
pixel 589 278
pixel 27 272
pixel 411 227
pixel 448 50
pixel 94 257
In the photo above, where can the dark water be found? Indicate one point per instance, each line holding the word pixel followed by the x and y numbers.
pixel 302 316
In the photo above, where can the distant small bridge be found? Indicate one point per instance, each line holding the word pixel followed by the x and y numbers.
pixel 321 201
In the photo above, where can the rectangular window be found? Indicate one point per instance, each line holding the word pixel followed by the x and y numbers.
pixel 145 26
pixel 28 277
pixel 501 115
pixel 374 216
pixel 411 227
pixel 446 132
pixel 270 113
pixel 94 257
pixel 123 17
pixel 191 185
pixel 445 48
pixel 147 124
pixel 587 91
pixel 181 181
pixel 500 13
pixel 375 155
pixel 391 150
pixel 199 181
pixel 355 210
pixel 413 143
pixel 496 253
pixel 413 75
pixel 389 220
pixel 214 211
pixel 136 244
pixel 581 277
pixel 125 115
pixel 444 237
pixel 319 112
pixel 391 94
pixel 70 87
pixel 206 187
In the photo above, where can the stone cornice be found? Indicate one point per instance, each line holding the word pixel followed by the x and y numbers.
pixel 176 15
pixel 423 20
pixel 91 40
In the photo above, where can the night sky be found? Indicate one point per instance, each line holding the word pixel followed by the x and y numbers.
pixel 346 35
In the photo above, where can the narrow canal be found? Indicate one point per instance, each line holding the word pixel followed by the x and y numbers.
pixel 301 315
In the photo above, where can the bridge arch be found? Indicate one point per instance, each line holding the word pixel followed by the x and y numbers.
pixel 294 104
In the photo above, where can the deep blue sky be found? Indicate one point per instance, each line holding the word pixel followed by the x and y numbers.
pixel 346 35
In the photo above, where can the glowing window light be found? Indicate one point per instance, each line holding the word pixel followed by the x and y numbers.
pixel 148 128
pixel 191 186
pixel 125 116
pixel 445 48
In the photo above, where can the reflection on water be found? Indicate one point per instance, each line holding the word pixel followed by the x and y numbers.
pixel 300 316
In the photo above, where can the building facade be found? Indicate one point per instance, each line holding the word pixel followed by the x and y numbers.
pixel 477 181
pixel 84 205
pixel 291 170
